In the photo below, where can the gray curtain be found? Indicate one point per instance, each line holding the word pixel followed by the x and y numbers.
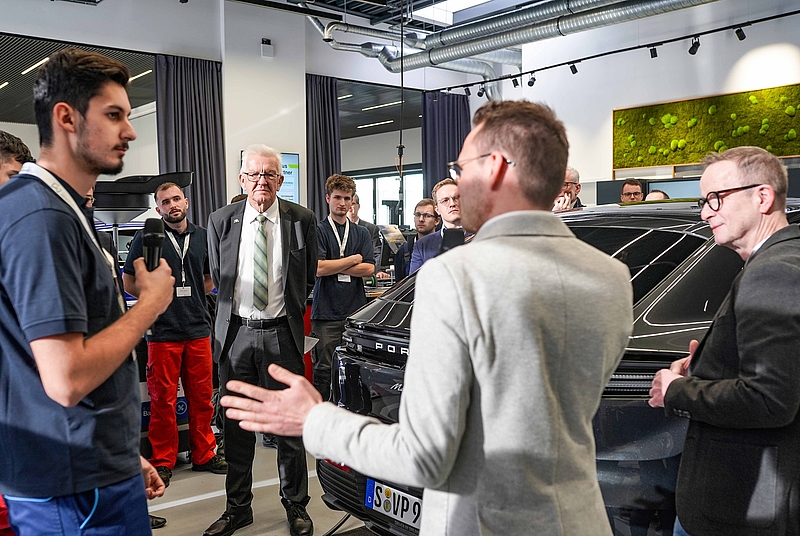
pixel 445 125
pixel 189 122
pixel 323 147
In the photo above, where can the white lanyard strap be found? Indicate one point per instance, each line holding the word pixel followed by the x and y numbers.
pixel 342 241
pixel 181 253
pixel 49 179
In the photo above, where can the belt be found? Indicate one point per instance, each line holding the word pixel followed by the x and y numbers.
pixel 259 324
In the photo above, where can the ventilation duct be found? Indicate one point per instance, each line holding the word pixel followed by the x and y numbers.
pixel 598 18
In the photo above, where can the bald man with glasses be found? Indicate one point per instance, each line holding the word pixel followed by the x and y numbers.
pixel 740 385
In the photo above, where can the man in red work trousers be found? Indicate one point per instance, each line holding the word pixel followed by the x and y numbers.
pixel 180 345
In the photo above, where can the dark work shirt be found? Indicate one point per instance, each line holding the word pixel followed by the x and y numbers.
pixel 186 318
pixel 334 299
pixel 54 281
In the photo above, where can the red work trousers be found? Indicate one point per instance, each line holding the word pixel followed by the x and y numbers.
pixel 5 528
pixel 191 362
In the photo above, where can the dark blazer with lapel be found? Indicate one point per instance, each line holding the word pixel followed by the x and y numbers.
pixel 299 244
pixel 740 471
pixel 425 248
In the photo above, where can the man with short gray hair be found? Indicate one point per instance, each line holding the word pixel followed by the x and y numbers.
pixel 740 385
pixel 568 199
pixel 263 257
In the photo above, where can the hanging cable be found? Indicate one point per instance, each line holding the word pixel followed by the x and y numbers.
pixel 400 146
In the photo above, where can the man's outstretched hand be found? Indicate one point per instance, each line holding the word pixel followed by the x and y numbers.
pixel 281 412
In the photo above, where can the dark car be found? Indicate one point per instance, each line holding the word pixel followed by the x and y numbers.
pixel 679 279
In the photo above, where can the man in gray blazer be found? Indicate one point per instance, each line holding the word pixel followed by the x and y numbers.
pixel 740 386
pixel 495 421
pixel 263 258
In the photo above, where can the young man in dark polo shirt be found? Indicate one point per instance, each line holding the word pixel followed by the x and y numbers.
pixel 180 346
pixel 345 257
pixel 69 386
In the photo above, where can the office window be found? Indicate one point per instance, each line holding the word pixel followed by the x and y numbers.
pixel 379 193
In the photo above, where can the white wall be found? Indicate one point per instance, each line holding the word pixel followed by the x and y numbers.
pixel 157 26
pixel 380 150
pixel 770 56
pixel 263 98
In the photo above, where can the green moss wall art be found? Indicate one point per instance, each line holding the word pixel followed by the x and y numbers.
pixel 683 132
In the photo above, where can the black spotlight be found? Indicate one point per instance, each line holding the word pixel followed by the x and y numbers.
pixel 467 92
pixel 481 91
pixel 695 46
pixel 531 81
pixel 653 52
pixel 573 68
pixel 740 34
pixel 515 82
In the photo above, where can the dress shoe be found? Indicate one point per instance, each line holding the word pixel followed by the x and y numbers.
pixel 299 522
pixel 215 465
pixel 228 524
pixel 165 473
pixel 157 522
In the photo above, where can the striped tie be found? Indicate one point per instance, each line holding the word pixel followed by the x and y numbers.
pixel 260 267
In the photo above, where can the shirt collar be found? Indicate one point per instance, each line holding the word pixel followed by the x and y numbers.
pixel 189 229
pixel 250 214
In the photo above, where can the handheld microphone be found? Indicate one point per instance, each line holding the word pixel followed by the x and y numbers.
pixel 152 242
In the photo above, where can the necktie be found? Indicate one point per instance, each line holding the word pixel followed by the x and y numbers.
pixel 260 267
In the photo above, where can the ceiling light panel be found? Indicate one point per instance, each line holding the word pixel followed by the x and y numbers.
pixel 368 108
pixel 376 124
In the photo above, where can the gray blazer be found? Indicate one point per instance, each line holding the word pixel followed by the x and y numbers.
pixel 299 242
pixel 513 338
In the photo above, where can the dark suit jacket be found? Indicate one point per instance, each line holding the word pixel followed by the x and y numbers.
pixel 740 471
pixel 299 243
pixel 375 236
pixel 425 248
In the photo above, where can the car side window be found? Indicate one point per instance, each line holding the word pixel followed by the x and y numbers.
pixel 651 255
pixel 698 291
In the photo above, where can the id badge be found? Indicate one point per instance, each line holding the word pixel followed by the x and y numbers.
pixel 344 278
pixel 183 292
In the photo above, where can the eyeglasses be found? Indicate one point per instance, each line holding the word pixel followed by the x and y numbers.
pixel 255 177
pixel 631 195
pixel 567 184
pixel 714 199
pixel 425 215
pixel 445 201
pixel 456 167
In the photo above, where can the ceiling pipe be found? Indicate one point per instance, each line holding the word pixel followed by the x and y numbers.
pixel 534 14
pixel 624 12
pixel 386 53
pixel 507 57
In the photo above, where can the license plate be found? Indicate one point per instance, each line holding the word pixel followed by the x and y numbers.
pixel 393 503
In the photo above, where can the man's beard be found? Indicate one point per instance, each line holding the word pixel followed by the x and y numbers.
pixel 174 219
pixel 92 162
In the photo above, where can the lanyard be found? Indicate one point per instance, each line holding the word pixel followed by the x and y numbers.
pixel 46 177
pixel 181 253
pixel 342 241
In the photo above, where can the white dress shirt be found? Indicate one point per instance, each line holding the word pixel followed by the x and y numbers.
pixel 243 288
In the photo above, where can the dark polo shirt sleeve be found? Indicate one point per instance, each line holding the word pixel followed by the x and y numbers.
pixel 38 256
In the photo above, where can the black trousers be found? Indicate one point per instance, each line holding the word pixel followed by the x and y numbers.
pixel 250 352
pixel 329 333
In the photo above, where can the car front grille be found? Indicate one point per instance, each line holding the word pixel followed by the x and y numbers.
pixel 342 485
pixel 629 385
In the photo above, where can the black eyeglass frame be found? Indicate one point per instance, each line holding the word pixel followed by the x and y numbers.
pixel 255 177
pixel 455 167
pixel 719 194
